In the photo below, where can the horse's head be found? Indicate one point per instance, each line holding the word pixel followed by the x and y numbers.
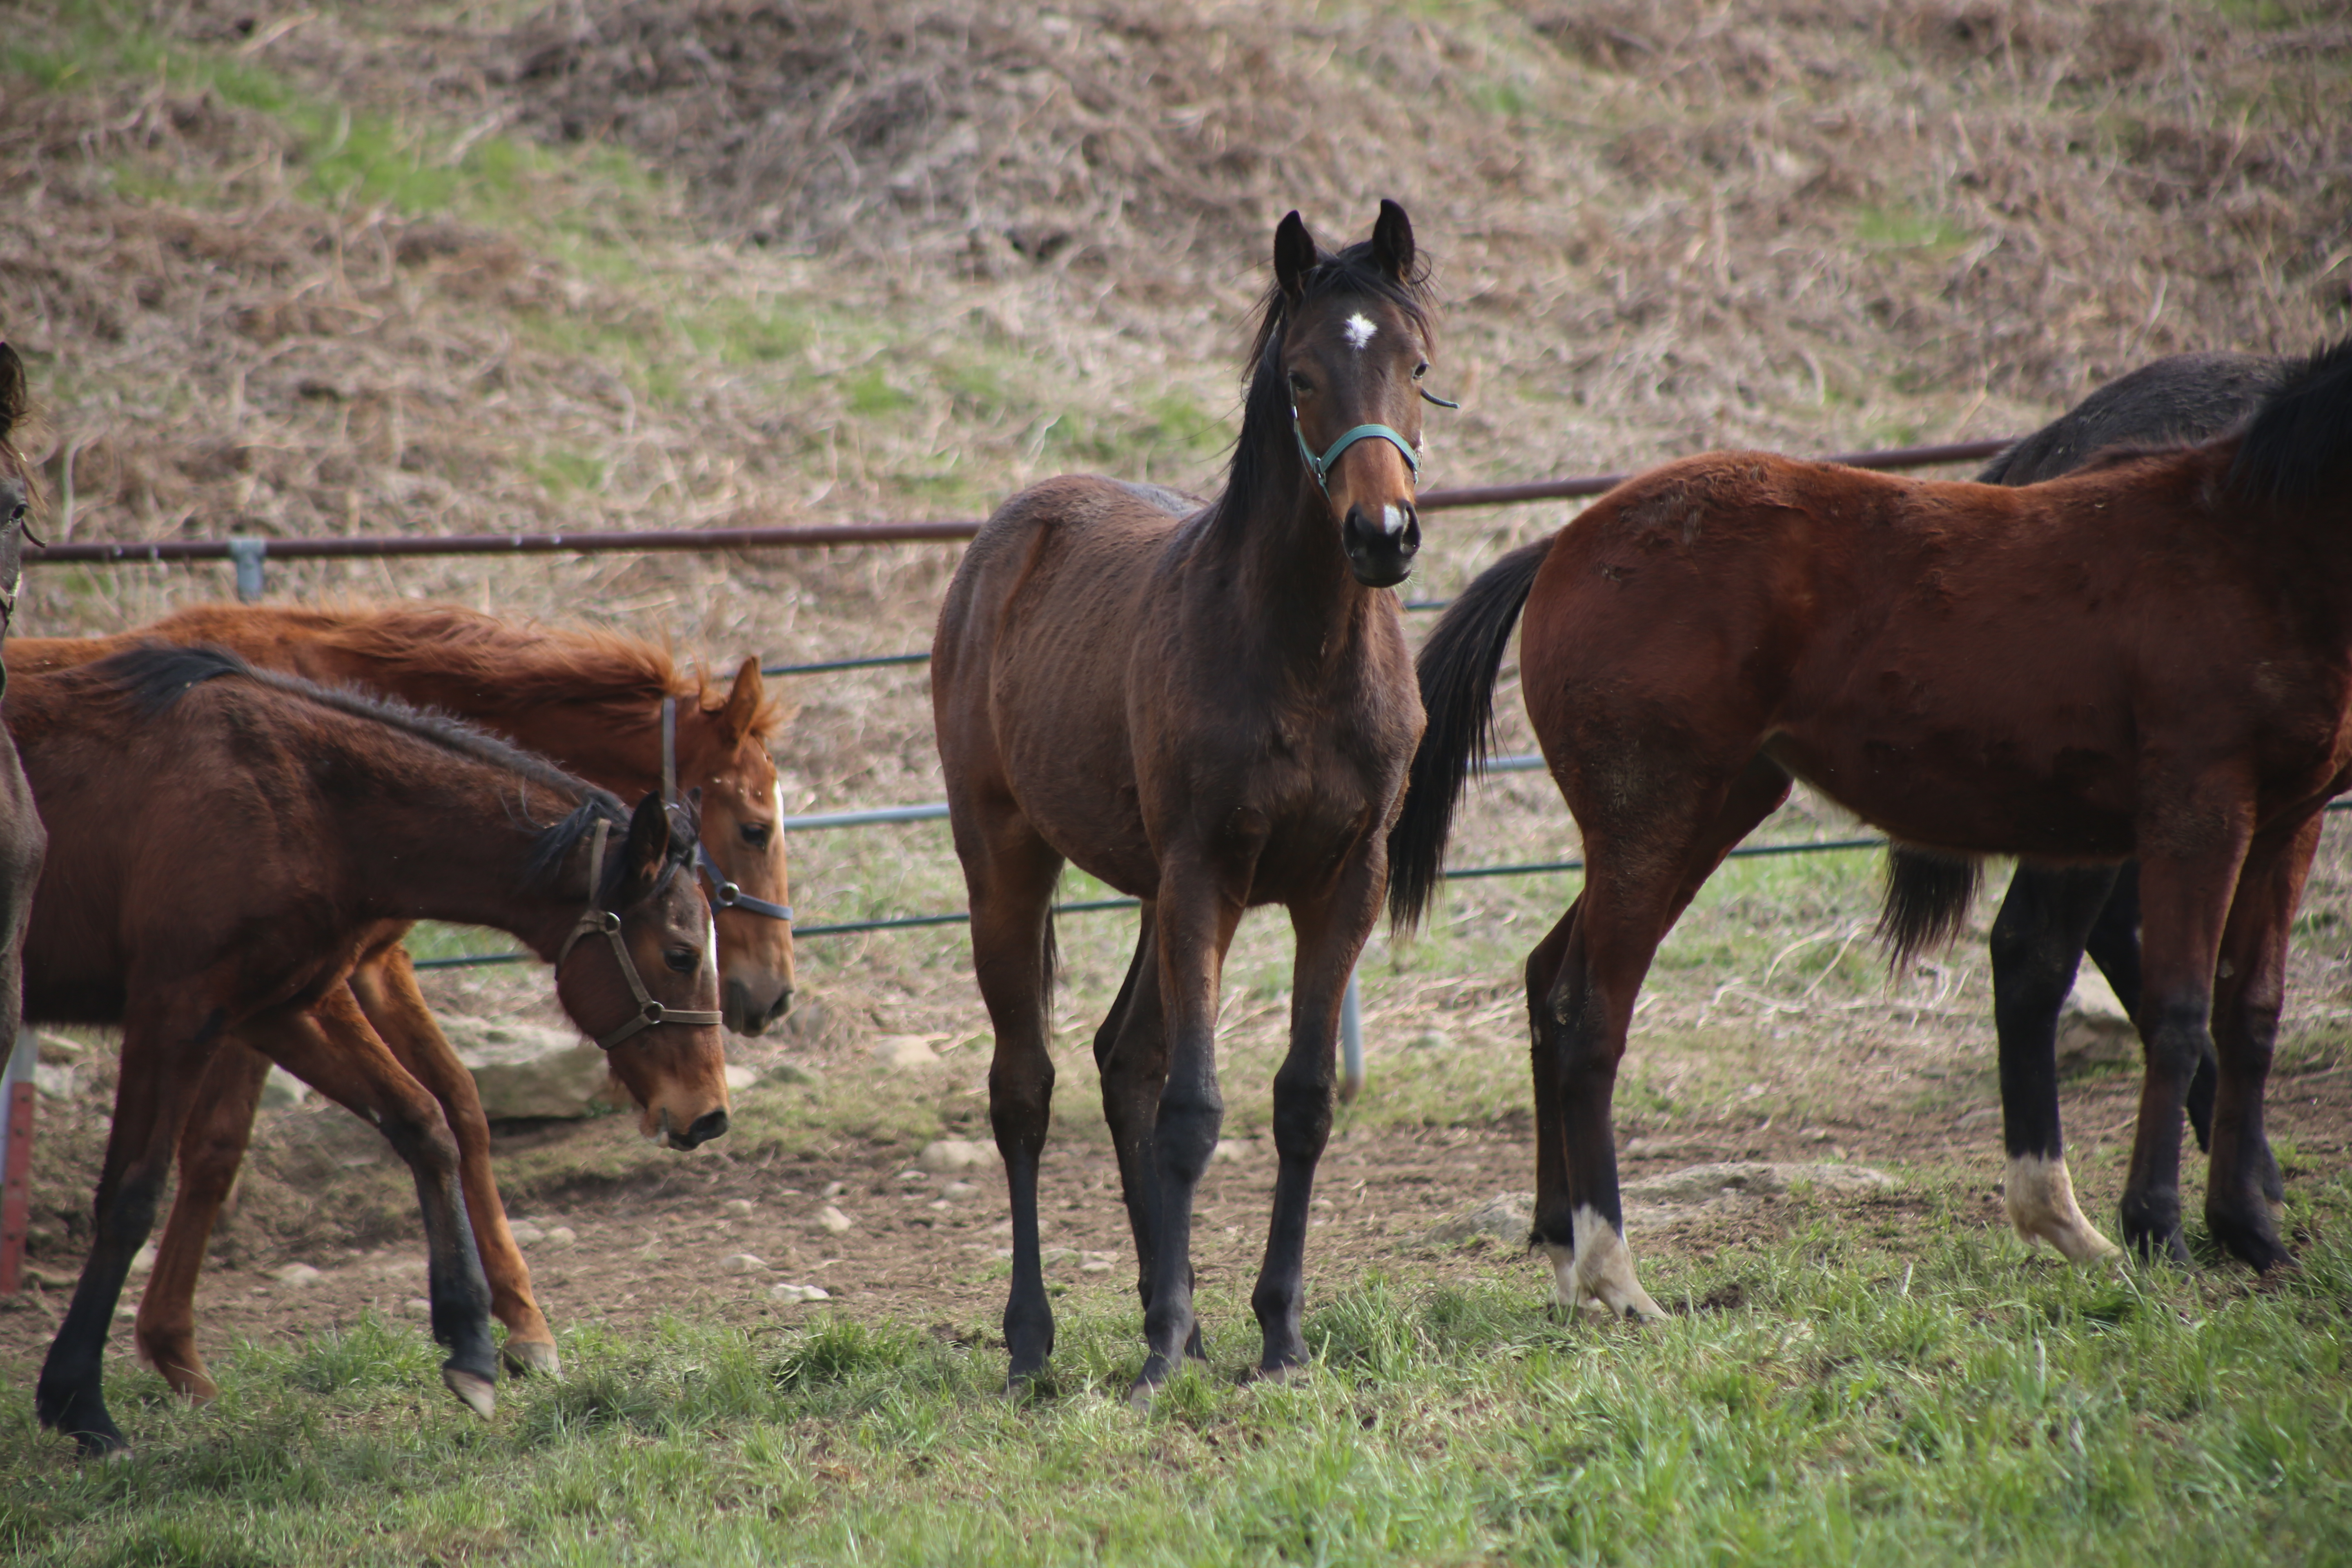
pixel 723 750
pixel 16 484
pixel 1353 346
pixel 647 947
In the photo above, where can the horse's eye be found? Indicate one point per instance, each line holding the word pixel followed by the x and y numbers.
pixel 682 959
pixel 1421 370
pixel 756 834
pixel 1300 385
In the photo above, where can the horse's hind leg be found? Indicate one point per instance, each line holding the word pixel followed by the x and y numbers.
pixel 1131 1055
pixel 386 985
pixel 332 1049
pixel 1009 873
pixel 164 1051
pixel 1330 936
pixel 2037 945
pixel 210 1152
pixel 1642 873
pixel 2247 998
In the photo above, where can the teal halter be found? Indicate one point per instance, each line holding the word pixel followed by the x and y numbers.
pixel 1321 467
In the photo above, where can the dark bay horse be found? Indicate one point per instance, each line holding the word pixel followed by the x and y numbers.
pixel 1209 708
pixel 2054 914
pixel 2150 657
pixel 224 844
pixel 617 711
pixel 22 838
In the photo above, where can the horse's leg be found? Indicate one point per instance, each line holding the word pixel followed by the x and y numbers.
pixel 164 1053
pixel 1638 882
pixel 386 985
pixel 1009 873
pixel 1131 1053
pixel 2037 945
pixel 1197 918
pixel 2185 899
pixel 211 1150
pixel 2248 991
pixel 332 1047
pixel 1330 935
pixel 1554 1226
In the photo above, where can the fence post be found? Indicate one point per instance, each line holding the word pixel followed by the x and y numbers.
pixel 1351 1041
pixel 247 552
pixel 17 1159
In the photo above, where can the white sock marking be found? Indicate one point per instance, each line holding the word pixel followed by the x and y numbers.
pixel 2040 1197
pixel 1597 1274
pixel 1360 330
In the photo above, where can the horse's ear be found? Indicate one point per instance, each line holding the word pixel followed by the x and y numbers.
pixel 1293 256
pixel 741 714
pixel 1392 242
pixel 645 854
pixel 12 397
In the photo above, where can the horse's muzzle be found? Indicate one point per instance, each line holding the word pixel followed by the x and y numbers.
pixel 706 1126
pixel 744 1015
pixel 1380 545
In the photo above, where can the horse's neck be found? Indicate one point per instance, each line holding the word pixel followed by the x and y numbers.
pixel 1294 595
pixel 459 849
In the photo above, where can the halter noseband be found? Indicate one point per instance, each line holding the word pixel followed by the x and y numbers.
pixel 1321 467
pixel 596 921
pixel 724 894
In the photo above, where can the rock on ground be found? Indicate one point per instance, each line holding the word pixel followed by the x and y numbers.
pixel 957 1154
pixel 526 1070
pixel 2092 1028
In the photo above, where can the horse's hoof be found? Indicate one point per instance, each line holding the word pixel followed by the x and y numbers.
pixel 478 1393
pixel 528 1358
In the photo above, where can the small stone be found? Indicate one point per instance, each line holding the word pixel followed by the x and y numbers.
pixel 144 1260
pixel 1506 1218
pixel 958 1190
pixel 561 1236
pixel 297 1274
pixel 832 1219
pixel 798 1293
pixel 736 1206
pixel 417 1306
pixel 281 1090
pixel 1233 1149
pixel 743 1263
pixel 1094 1262
pixel 904 1051
pixel 957 1154
pixel 55 1080
pixel 914 1178
pixel 939 1203
pixel 834 1189
pixel 741 1078
pixel 525 1233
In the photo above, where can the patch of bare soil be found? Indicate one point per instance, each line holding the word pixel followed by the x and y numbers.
pixel 652 1237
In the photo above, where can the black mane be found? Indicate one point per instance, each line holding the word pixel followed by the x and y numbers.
pixel 1265 445
pixel 2300 441
pixel 157 675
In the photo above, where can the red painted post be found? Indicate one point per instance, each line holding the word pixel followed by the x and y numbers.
pixel 17 1160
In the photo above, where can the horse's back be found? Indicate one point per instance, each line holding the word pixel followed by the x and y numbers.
pixel 2180 398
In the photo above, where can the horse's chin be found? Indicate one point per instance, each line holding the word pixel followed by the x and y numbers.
pixel 746 1017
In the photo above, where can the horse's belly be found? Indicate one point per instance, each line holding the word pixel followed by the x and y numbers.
pixel 1974 798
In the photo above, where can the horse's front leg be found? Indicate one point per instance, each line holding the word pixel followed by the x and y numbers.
pixel 385 986
pixel 1330 935
pixel 332 1047
pixel 1197 913
pixel 2249 992
pixel 1131 1053
pixel 2185 901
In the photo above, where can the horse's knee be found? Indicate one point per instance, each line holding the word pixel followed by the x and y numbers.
pixel 422 1138
pixel 1302 1112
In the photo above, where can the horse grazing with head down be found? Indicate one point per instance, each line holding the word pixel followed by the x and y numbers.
pixel 224 843
pixel 616 709
pixel 2151 657
pixel 1209 708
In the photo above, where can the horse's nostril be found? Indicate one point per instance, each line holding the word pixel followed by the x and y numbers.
pixel 706 1126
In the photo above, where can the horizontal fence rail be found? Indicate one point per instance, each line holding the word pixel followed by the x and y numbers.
pixel 248 550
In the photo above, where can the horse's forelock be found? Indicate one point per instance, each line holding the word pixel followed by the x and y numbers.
pixel 1351 272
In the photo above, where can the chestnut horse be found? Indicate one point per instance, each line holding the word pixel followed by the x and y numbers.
pixel 1209 708
pixel 2054 914
pixel 615 709
pixel 22 838
pixel 225 842
pixel 2150 657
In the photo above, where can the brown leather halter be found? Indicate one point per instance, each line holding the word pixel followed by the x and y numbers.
pixel 594 921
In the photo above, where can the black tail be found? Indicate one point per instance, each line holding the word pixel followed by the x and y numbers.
pixel 1928 897
pixel 1457 668
pixel 2298 446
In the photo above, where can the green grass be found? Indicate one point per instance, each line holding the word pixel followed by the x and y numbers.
pixel 1932 1397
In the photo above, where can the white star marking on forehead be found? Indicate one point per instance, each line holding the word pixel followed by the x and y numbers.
pixel 1359 330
